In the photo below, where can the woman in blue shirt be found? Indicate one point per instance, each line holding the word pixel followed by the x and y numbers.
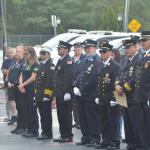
pixel 27 86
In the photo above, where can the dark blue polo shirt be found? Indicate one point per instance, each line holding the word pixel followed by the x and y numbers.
pixel 6 65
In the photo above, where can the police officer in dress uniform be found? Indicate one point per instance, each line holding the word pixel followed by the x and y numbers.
pixel 44 93
pixel 84 88
pixel 133 121
pixel 108 112
pixel 77 60
pixel 63 86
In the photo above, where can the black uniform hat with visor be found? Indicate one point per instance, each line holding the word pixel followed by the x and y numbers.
pixel 104 46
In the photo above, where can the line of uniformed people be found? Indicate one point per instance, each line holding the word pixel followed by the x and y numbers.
pixel 91 82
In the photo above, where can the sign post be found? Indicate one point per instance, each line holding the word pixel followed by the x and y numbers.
pixel 54 24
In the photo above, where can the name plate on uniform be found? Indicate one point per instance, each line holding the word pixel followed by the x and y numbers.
pixel 121 99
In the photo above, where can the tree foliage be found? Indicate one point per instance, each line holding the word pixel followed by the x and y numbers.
pixel 34 16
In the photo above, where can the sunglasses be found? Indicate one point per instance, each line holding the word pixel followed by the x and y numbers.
pixel 43 53
pixel 103 52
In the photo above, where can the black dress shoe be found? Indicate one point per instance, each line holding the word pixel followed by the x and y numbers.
pixel 101 146
pixel 58 139
pixel 113 146
pixel 93 143
pixel 44 137
pixel 65 140
pixel 30 135
pixel 19 131
pixel 82 143
pixel 26 131
pixel 14 131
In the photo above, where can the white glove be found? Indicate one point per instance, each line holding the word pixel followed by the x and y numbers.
pixel 76 91
pixel 113 103
pixel 148 103
pixel 45 99
pixel 67 97
pixel 97 100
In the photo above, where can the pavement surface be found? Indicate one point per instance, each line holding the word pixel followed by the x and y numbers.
pixel 9 141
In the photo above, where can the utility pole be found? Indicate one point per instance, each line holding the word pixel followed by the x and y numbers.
pixel 126 16
pixel 3 12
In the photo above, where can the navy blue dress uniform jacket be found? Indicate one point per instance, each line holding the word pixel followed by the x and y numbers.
pixel 142 80
pixel 77 67
pixel 126 75
pixel 106 82
pixel 45 81
pixel 63 76
pixel 87 78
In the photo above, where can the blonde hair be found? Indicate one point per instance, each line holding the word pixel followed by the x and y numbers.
pixel 34 58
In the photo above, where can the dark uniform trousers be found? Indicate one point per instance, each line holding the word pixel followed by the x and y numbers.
pixel 63 84
pixel 76 68
pixel 88 120
pixel 20 108
pixel 64 113
pixel 134 115
pixel 108 114
pixel 75 108
pixel 45 111
pixel 44 89
pixel 109 123
pixel 86 82
pixel 134 123
pixel 31 111
pixel 142 94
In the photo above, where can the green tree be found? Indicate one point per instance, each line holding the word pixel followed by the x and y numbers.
pixel 109 19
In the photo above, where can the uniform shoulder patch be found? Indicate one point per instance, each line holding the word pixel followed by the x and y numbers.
pixel 36 69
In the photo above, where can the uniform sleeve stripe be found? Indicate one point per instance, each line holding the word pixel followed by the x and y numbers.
pixel 48 92
pixel 127 86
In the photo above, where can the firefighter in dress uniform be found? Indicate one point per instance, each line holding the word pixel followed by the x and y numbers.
pixel 108 112
pixel 63 90
pixel 44 93
pixel 84 88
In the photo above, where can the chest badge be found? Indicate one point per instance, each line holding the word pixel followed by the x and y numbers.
pixel 130 71
pixel 146 65
pixel 107 78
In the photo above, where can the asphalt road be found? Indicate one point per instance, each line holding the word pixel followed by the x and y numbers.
pixel 9 141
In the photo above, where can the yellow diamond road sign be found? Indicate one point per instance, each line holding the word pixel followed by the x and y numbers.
pixel 134 25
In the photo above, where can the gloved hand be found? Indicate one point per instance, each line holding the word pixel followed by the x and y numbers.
pixel 97 100
pixel 76 91
pixel 45 99
pixel 148 103
pixel 67 97
pixel 113 103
